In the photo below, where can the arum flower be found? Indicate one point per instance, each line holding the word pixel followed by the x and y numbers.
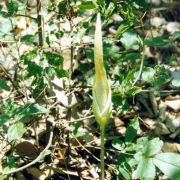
pixel 101 87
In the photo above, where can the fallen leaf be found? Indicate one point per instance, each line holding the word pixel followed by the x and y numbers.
pixel 171 147
pixel 173 104
pixel 27 149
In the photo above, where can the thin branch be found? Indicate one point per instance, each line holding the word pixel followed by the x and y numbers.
pixel 10 79
pixel 39 21
pixel 85 148
pixel 23 15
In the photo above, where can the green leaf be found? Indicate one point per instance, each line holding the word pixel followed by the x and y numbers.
pixel 175 35
pixel 130 39
pixel 61 73
pixel 49 72
pixel 146 169
pixel 124 168
pixel 31 55
pixel 34 69
pixel 176 82
pixel 169 164
pixel 131 56
pixel 62 8
pixel 12 7
pixel 3 85
pixel 5 27
pixel 125 25
pixel 11 161
pixel 147 74
pixel 30 109
pixel 29 39
pixel 15 131
pixel 118 144
pixel 3 119
pixel 53 59
pixel 132 130
pixel 162 76
pixel 87 5
pixel 81 133
pixel 152 147
pixel 159 41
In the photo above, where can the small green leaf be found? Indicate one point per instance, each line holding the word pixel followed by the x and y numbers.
pixel 124 167
pixel 146 169
pixel 3 119
pixel 49 72
pixel 61 73
pixel 11 161
pixel 54 59
pixel 87 5
pixel 147 74
pixel 132 130
pixel 12 7
pixel 125 170
pixel 5 27
pixel 175 35
pixel 125 25
pixel 29 39
pixel 118 144
pixel 169 164
pixel 176 82
pixel 34 69
pixel 3 85
pixel 30 109
pixel 131 56
pixel 16 131
pixel 31 55
pixel 62 8
pixel 130 39
pixel 152 147
pixel 159 41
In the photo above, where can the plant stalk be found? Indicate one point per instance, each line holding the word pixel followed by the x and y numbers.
pixel 102 131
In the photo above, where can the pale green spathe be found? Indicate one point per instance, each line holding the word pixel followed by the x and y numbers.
pixel 101 88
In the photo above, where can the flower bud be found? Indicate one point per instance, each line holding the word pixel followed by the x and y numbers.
pixel 101 88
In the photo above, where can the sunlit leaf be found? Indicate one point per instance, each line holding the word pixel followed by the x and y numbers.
pixel 16 131
pixel 169 164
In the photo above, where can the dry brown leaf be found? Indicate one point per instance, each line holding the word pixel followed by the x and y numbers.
pixel 173 104
pixel 161 129
pixel 173 122
pixel 27 149
pixel 171 147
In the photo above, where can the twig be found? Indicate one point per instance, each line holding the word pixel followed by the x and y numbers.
pixel 23 15
pixel 40 155
pixel 140 70
pixel 81 119
pixel 10 79
pixel 39 21
pixel 153 103
pixel 143 54
pixel 85 148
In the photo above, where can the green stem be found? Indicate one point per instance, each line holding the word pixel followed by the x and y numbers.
pixel 102 128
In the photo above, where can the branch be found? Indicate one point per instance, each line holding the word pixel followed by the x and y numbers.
pixel 23 15
pixel 39 21
pixel 10 79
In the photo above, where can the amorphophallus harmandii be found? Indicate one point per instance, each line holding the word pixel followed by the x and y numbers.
pixel 101 89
